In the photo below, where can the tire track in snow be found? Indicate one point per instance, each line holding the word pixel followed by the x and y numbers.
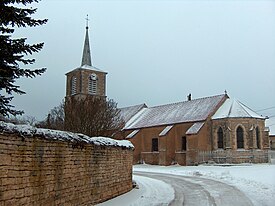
pixel 196 191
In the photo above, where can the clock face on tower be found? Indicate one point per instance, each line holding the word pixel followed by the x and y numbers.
pixel 93 76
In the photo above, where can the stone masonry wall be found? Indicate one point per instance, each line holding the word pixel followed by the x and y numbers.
pixel 43 171
pixel 82 81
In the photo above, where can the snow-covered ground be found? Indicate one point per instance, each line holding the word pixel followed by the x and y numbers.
pixel 150 192
pixel 257 181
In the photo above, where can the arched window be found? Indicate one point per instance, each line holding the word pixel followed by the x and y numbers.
pixel 73 86
pixel 220 138
pixel 93 84
pixel 258 138
pixel 240 137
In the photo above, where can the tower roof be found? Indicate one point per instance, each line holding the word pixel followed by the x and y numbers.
pixel 232 108
pixel 86 56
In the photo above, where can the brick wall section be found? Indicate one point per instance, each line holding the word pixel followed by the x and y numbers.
pixel 39 171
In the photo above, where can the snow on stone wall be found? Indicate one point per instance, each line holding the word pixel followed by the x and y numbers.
pixel 26 130
pixel 48 167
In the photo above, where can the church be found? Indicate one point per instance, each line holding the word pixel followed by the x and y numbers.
pixel 213 128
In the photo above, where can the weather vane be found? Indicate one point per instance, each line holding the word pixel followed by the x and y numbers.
pixel 87 21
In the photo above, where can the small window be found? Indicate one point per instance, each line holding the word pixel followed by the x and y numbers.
pixel 258 138
pixel 240 138
pixel 155 145
pixel 73 86
pixel 220 138
pixel 183 143
pixel 93 84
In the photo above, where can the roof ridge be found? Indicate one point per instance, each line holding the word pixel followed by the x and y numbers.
pixel 134 106
pixel 246 107
pixel 186 101
pixel 230 109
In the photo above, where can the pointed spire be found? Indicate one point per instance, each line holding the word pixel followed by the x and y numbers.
pixel 86 57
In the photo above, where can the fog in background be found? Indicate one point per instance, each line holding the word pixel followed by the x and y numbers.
pixel 156 52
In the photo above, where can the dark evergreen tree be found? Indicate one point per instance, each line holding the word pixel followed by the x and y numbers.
pixel 13 52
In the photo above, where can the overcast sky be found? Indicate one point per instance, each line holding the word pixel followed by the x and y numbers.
pixel 156 52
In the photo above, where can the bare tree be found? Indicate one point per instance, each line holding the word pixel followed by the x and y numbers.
pixel 30 120
pixel 26 119
pixel 92 116
pixel 55 118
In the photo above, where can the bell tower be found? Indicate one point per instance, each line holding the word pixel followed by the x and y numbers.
pixel 86 79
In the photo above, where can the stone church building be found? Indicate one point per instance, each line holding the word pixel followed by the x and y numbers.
pixel 215 128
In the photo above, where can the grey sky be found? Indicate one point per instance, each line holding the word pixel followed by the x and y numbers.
pixel 156 52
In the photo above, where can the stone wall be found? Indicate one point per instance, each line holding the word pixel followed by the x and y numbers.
pixel 233 156
pixel 43 170
pixel 249 125
pixel 150 158
pixel 272 142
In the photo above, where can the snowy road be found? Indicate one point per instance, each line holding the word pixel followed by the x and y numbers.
pixel 200 191
pixel 200 185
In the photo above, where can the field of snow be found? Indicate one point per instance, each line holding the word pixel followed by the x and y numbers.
pixel 257 181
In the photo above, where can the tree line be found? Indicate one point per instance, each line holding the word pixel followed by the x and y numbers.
pixel 91 116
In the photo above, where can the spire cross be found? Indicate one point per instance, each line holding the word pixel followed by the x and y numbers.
pixel 86 57
pixel 87 21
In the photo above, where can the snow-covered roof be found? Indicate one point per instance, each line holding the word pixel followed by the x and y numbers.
pixel 29 131
pixel 128 112
pixel 87 67
pixel 91 68
pixel 232 108
pixel 195 128
pixel 165 130
pixel 132 134
pixel 188 111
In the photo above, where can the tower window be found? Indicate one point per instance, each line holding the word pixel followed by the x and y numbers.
pixel 93 84
pixel 220 138
pixel 155 145
pixel 258 138
pixel 240 137
pixel 73 86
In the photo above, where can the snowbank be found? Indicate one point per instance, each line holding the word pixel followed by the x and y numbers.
pixel 26 130
pixel 257 181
